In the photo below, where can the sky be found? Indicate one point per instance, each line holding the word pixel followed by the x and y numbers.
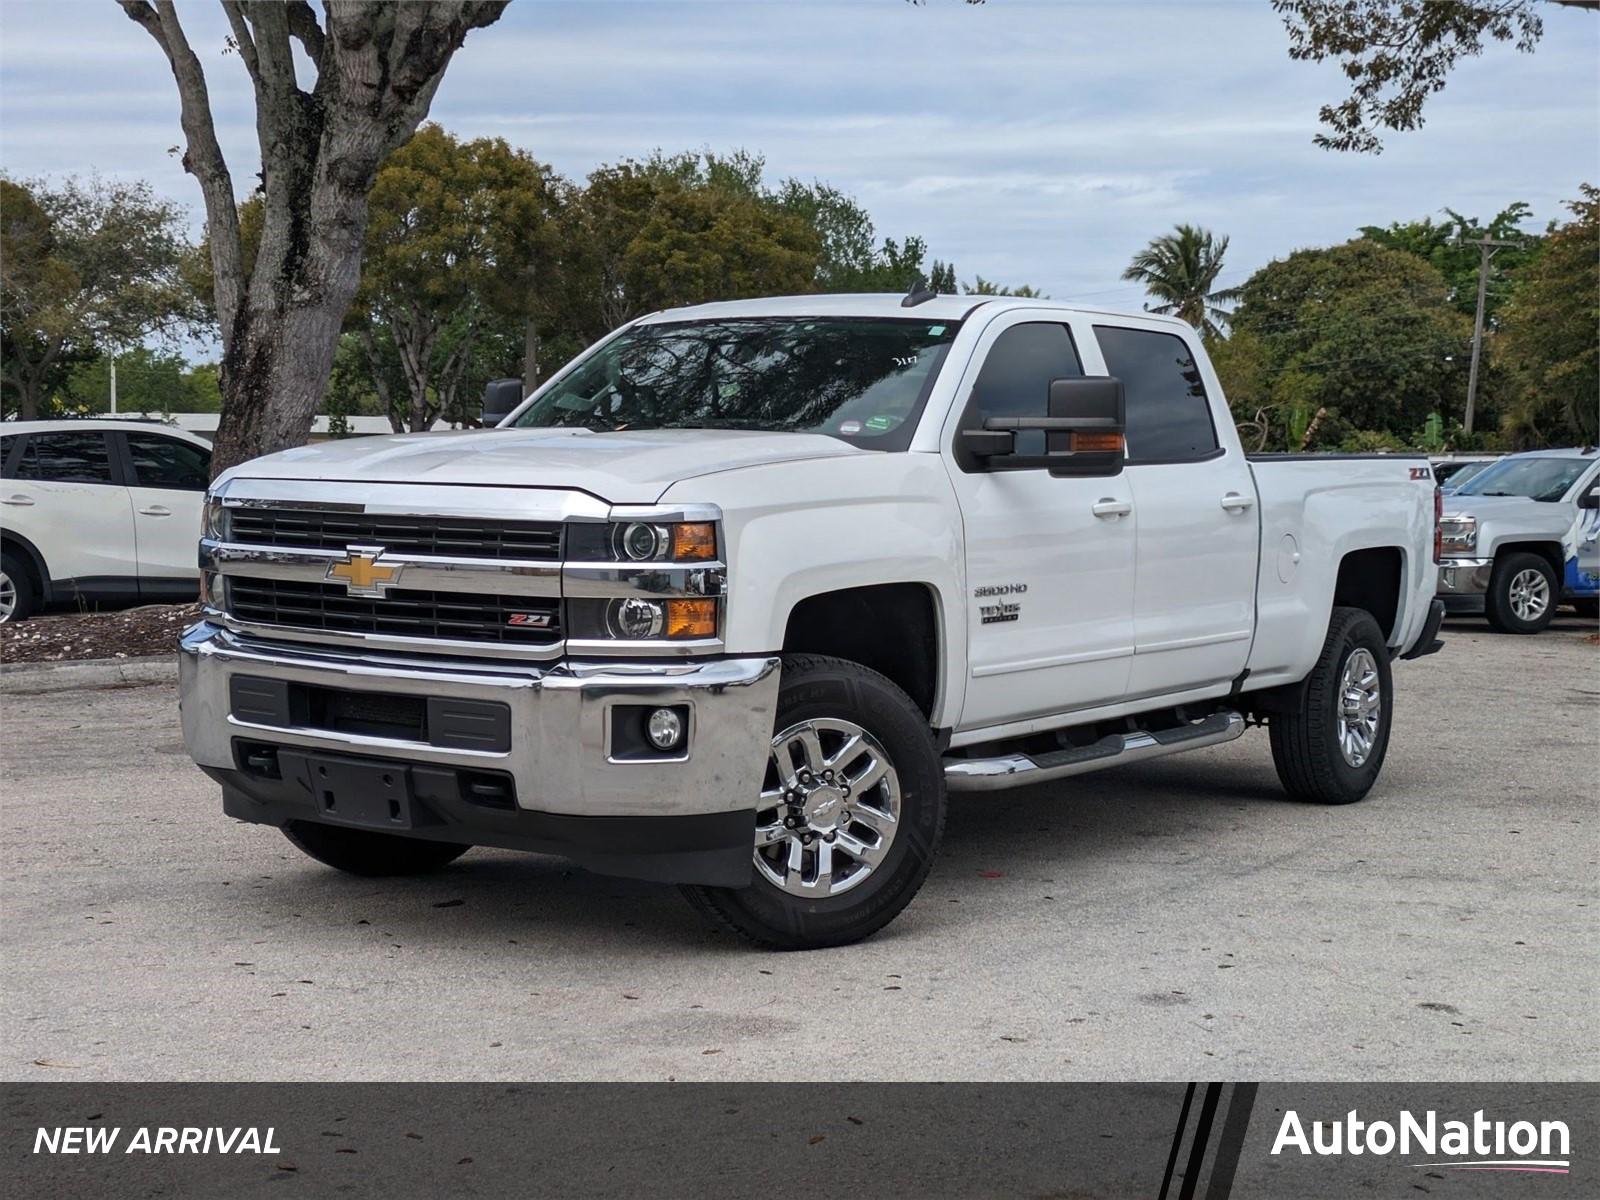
pixel 1040 143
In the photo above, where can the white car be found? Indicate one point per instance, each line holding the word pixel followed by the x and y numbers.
pixel 98 510
pixel 736 597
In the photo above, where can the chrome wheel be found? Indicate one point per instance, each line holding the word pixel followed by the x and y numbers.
pixel 8 597
pixel 1360 707
pixel 1529 594
pixel 829 808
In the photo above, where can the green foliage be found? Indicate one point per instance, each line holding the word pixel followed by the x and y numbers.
pixel 1180 269
pixel 1396 53
pixel 1550 335
pixel 1353 337
pixel 86 268
pixel 986 287
pixel 1440 244
pixel 457 236
pixel 149 381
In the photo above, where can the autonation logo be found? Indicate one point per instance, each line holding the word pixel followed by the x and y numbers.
pixel 1476 1145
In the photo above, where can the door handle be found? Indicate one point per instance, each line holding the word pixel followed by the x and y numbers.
pixel 1234 502
pixel 156 510
pixel 19 501
pixel 1106 506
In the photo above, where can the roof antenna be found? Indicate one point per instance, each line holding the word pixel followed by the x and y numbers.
pixel 920 293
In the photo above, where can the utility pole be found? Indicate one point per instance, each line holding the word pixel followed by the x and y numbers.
pixel 113 384
pixel 1488 247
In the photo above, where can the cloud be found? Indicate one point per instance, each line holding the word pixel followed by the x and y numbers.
pixel 1039 143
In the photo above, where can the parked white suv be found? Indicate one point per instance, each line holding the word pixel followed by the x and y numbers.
pixel 736 597
pixel 98 510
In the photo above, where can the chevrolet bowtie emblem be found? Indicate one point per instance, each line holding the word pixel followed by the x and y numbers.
pixel 362 574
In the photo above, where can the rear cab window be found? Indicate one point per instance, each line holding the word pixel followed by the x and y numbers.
pixel 1169 414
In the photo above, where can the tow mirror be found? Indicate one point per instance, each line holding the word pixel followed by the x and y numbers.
pixel 1590 499
pixel 1083 432
pixel 500 397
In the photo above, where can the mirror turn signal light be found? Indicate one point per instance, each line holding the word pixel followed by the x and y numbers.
pixel 694 541
pixel 1097 442
pixel 691 618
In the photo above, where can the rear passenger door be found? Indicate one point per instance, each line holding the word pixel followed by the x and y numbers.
pixel 1198 526
pixel 65 495
pixel 167 479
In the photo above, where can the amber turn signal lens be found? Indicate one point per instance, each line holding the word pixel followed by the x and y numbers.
pixel 1082 442
pixel 694 541
pixel 691 618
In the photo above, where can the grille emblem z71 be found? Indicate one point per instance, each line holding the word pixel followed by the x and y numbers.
pixel 362 574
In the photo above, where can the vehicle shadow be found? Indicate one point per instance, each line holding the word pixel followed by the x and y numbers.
pixel 544 903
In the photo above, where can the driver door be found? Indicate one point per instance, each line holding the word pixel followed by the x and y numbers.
pixel 1050 560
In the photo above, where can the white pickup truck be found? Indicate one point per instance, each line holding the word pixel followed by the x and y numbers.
pixel 735 598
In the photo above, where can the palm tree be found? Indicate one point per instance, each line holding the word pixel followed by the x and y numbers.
pixel 1180 270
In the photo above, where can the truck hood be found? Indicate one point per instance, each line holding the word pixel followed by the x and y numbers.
pixel 626 467
pixel 1536 515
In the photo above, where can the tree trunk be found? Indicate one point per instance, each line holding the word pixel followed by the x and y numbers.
pixel 377 67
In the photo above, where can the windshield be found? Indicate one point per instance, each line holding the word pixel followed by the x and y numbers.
pixel 860 379
pixel 1546 479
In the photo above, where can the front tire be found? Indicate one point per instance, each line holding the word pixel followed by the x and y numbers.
pixel 850 815
pixel 1331 748
pixel 1522 594
pixel 370 853
pixel 18 589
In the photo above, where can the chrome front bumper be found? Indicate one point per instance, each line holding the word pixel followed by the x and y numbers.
pixel 559 757
pixel 1463 582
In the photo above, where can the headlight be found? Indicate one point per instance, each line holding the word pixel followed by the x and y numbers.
pixel 642 542
pixel 215 521
pixel 1458 531
pixel 637 618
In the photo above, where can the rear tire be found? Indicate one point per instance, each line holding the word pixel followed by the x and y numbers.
pixel 1331 749
pixel 1523 593
pixel 369 853
pixel 840 717
pixel 19 590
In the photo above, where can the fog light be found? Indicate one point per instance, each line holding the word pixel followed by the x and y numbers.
pixel 664 728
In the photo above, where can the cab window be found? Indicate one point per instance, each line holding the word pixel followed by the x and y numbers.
pixel 1169 417
pixel 1016 375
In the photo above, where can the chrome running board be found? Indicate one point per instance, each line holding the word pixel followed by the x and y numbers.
pixel 1016 770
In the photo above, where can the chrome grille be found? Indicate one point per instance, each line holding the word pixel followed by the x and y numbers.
pixel 446 537
pixel 454 616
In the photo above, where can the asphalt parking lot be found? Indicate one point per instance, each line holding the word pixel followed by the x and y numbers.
pixel 1168 921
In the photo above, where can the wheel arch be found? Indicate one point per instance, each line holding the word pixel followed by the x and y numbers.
pixel 894 628
pixel 1549 550
pixel 1373 578
pixel 15 542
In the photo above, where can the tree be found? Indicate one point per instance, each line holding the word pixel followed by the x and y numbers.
pixel 987 287
pixel 85 268
pixel 455 233
pixel 148 381
pixel 1397 53
pixel 374 69
pixel 1442 243
pixel 1550 334
pixel 1180 270
pixel 1351 337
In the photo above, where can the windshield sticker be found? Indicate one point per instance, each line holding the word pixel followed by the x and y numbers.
pixel 880 424
pixel 935 330
pixel 850 427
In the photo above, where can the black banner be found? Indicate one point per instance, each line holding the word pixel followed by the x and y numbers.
pixel 1162 1141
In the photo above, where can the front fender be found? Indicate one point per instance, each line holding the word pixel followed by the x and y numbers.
pixel 795 530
